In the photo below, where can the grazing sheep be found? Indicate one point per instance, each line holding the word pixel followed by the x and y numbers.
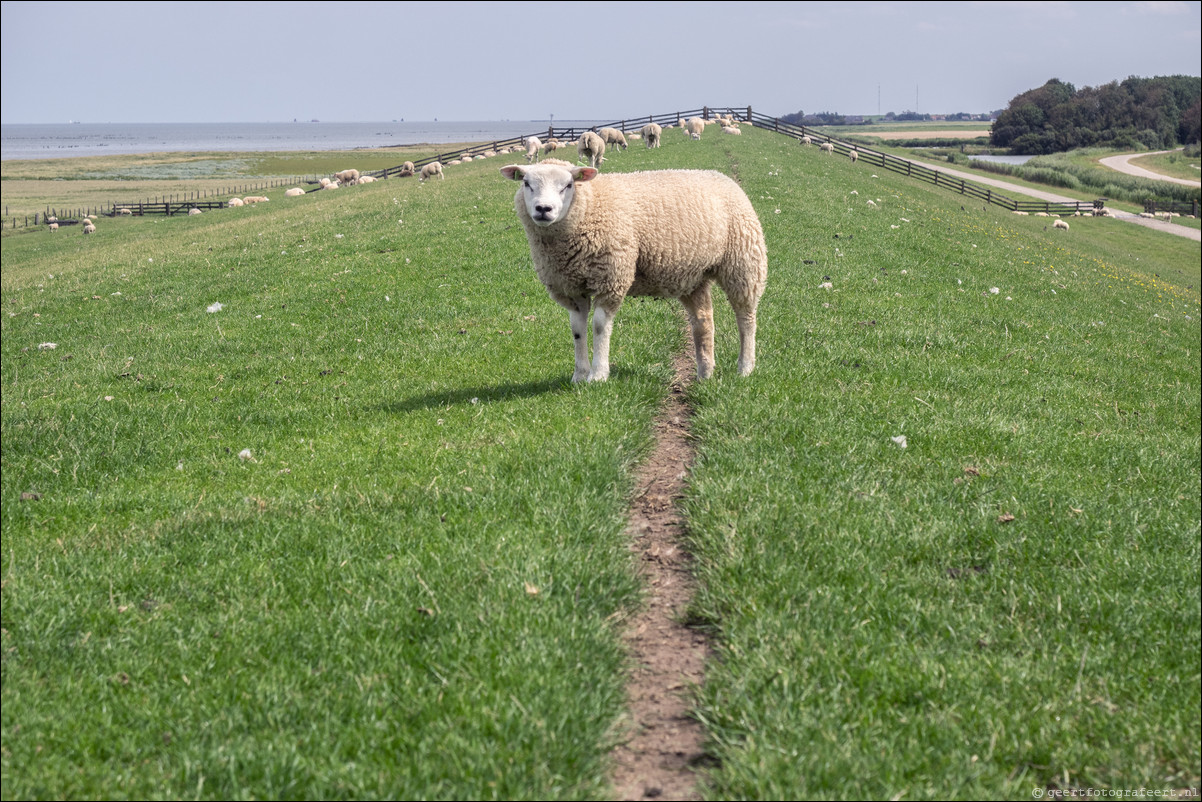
pixel 853 155
pixel 695 136
pixel 591 148
pixel 123 211
pixel 829 147
pixel 553 145
pixel 613 136
pixel 89 229
pixel 432 169
pixel 1060 224
pixel 347 177
pixel 596 239
pixel 295 192
pixel 193 211
pixel 805 140
pixel 696 125
pixel 652 133
pixel 532 144
pixel 235 202
pixel 407 169
pixel 53 226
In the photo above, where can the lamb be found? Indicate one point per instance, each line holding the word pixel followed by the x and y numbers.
pixel 1060 224
pixel 367 179
pixel 347 177
pixel 613 136
pixel 591 148
pixel 53 226
pixel 294 192
pixel 432 169
pixel 652 133
pixel 805 140
pixel 553 145
pixel 595 239
pixel 532 144
pixel 89 228
pixel 407 169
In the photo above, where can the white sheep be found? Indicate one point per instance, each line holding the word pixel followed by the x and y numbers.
pixel 828 147
pixel 696 125
pixel 591 148
pixel 854 155
pixel 730 129
pixel 613 136
pixel 347 177
pixel 407 169
pixel 124 211
pixel 595 239
pixel 89 229
pixel 432 169
pixel 193 211
pixel 652 133
pixel 235 202
pixel 805 140
pixel 553 145
pixel 532 144
pixel 694 136
pixel 1060 224
pixel 294 192
pixel 53 226
pixel 367 179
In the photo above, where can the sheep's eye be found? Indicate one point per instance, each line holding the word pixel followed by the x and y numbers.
pixel 566 188
pixel 525 183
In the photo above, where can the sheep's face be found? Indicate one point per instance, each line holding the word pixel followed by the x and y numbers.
pixel 548 189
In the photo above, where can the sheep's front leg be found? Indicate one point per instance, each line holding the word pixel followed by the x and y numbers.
pixel 603 326
pixel 578 317
pixel 700 308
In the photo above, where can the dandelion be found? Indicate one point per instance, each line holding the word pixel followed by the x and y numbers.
pixel 777 211
pixel 150 260
pixel 216 307
pixel 900 440
pixel 245 455
pixel 994 290
pixel 855 192
pixel 895 227
pixel 337 236
pixel 904 272
pixel 108 398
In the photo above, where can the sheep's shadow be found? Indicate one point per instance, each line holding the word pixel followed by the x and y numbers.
pixel 491 393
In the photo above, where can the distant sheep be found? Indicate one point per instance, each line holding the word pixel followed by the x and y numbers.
pixel 730 129
pixel 367 179
pixel 53 226
pixel 193 211
pixel 533 144
pixel 696 125
pixel 591 148
pixel 123 211
pixel 236 202
pixel 89 229
pixel 347 177
pixel 828 147
pixel 253 199
pixel 294 192
pixel 407 169
pixel 613 136
pixel 595 239
pixel 432 169
pixel 1060 224
pixel 853 155
pixel 652 133
pixel 805 140
pixel 553 145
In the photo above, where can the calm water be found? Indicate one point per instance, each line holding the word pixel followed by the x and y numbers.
pixel 59 140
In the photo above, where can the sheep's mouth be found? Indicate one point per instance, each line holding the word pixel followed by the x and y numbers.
pixel 543 218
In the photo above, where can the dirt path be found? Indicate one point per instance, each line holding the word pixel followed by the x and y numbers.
pixel 1159 225
pixel 664 746
pixel 1122 164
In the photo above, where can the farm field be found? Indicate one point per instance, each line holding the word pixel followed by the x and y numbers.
pixel 354 534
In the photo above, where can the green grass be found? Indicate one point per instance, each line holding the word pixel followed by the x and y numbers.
pixel 1176 164
pixel 412 586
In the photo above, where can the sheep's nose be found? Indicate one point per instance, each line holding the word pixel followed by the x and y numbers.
pixel 543 209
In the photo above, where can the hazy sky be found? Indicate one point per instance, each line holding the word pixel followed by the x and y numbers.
pixel 523 60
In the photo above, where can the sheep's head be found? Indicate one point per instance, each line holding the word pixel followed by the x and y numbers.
pixel 548 189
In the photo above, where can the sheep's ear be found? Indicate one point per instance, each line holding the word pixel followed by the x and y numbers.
pixel 584 173
pixel 513 171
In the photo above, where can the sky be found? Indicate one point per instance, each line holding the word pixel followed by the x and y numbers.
pixel 366 61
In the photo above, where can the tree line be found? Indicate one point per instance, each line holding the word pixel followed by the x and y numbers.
pixel 1153 113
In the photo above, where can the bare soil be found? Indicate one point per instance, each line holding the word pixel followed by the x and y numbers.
pixel 664 745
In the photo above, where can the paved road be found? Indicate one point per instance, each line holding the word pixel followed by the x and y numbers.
pixel 1122 164
pixel 1159 225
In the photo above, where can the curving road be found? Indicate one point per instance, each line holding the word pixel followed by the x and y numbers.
pixel 1122 164
pixel 1159 225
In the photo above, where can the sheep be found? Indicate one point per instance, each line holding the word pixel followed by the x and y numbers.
pixel 325 182
pixel 805 140
pixel 1060 224
pixel 89 229
pixel 828 147
pixel 250 200
pixel 613 136
pixel 553 145
pixel 696 126
pixel 123 211
pixel 591 148
pixel 407 169
pixel 347 177
pixel 652 133
pixel 295 192
pixel 694 136
pixel 193 211
pixel 853 155
pixel 53 226
pixel 595 239
pixel 235 202
pixel 432 169
pixel 730 129
pixel 532 144
pixel 366 179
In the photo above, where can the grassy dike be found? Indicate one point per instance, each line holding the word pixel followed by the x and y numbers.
pixel 410 584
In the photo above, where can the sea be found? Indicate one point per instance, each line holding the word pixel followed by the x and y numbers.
pixel 66 140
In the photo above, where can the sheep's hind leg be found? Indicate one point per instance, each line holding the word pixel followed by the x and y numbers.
pixel 746 319
pixel 700 308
